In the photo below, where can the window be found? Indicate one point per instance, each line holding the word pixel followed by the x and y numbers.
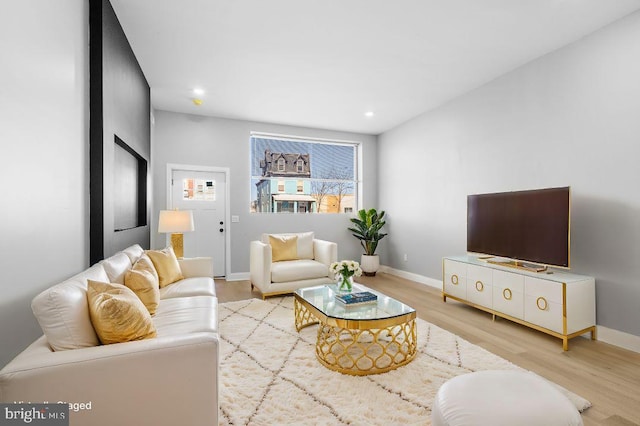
pixel 199 189
pixel 296 175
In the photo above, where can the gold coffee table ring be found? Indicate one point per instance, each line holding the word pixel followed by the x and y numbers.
pixel 358 340
pixel 454 279
pixel 479 286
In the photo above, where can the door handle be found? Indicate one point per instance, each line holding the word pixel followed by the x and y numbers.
pixel 221 223
pixel 221 229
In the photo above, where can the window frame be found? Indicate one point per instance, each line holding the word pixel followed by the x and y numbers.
pixel 357 167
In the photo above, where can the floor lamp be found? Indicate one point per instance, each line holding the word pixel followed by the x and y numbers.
pixel 176 222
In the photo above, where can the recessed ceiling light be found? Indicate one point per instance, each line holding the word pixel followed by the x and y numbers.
pixel 368 114
pixel 198 91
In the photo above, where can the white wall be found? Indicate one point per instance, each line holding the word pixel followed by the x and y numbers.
pixel 206 141
pixel 44 145
pixel 569 118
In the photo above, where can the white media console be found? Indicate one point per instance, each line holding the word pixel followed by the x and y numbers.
pixel 557 303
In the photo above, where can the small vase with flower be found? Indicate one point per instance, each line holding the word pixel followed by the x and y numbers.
pixel 344 271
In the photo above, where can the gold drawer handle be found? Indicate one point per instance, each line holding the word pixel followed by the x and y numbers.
pixel 506 293
pixel 544 303
pixel 479 287
pixel 454 279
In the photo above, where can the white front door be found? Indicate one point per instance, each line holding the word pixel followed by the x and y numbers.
pixel 203 192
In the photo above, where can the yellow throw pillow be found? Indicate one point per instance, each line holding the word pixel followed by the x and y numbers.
pixel 117 314
pixel 166 264
pixel 283 247
pixel 143 280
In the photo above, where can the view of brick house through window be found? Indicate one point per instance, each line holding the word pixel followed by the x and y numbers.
pixel 291 175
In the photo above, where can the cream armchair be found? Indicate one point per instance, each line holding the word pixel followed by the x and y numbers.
pixel 309 267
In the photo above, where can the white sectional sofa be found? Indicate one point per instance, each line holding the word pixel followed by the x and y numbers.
pixel 171 379
pixel 309 266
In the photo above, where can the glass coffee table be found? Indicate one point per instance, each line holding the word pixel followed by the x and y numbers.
pixel 358 340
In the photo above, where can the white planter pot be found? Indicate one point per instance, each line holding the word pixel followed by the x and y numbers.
pixel 370 264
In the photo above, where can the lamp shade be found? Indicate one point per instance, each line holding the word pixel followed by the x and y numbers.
pixel 175 221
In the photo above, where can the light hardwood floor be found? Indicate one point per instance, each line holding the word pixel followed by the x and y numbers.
pixel 606 375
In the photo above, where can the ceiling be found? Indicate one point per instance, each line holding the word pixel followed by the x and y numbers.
pixel 324 64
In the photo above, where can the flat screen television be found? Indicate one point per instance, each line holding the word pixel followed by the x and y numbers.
pixel 530 226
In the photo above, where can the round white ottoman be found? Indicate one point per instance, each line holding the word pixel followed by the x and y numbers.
pixel 513 398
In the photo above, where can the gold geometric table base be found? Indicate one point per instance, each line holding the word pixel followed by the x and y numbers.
pixel 360 352
pixel 303 317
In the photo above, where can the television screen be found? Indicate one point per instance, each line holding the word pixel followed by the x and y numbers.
pixel 531 226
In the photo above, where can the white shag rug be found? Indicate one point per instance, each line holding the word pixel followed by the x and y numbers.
pixel 269 374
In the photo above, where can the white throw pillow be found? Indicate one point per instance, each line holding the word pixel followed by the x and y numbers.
pixel 305 245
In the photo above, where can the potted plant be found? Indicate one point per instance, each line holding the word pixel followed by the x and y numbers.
pixel 367 230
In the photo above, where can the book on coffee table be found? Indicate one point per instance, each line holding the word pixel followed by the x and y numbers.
pixel 359 298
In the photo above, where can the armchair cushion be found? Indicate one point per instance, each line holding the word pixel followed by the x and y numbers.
pixel 304 244
pixel 284 247
pixel 296 270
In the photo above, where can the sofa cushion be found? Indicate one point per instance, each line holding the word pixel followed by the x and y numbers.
pixel 196 286
pixel 142 279
pixel 305 243
pixel 117 314
pixel 295 270
pixel 166 264
pixel 63 313
pixel 134 252
pixel 182 315
pixel 283 247
pixel 116 266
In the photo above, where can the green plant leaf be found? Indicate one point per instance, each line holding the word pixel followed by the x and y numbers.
pixel 367 229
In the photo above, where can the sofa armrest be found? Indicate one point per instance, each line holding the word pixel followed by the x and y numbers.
pixel 260 256
pixel 116 379
pixel 325 251
pixel 196 267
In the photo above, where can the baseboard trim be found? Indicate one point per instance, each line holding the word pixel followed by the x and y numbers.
pixel 421 279
pixel 238 276
pixel 619 338
pixel 607 335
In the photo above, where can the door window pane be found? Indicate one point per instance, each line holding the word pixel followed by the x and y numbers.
pixel 199 189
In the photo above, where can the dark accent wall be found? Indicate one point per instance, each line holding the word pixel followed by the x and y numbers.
pixel 120 108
